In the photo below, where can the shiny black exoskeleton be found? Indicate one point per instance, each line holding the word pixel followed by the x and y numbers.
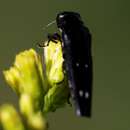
pixel 78 60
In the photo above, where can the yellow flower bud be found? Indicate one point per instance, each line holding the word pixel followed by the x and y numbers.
pixel 37 122
pixel 54 61
pixel 10 119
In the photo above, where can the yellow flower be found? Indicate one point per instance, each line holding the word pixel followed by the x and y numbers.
pixel 58 94
pixel 37 122
pixel 54 61
pixel 10 119
pixel 43 89
pixel 26 76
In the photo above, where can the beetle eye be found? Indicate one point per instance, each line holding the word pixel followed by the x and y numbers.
pixel 61 16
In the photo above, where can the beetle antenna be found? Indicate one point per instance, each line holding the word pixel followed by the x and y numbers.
pixel 46 34
pixel 49 24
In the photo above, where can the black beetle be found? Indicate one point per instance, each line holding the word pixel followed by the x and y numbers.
pixel 76 47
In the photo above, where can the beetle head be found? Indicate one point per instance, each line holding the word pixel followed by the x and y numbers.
pixel 67 20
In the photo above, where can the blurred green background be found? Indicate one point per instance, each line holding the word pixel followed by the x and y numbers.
pixel 21 24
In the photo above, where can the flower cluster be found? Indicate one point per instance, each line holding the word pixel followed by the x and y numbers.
pixel 41 87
